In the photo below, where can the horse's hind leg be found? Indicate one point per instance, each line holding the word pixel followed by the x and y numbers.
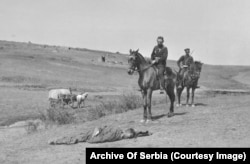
pixel 188 94
pixel 193 90
pixel 149 98
pixel 171 95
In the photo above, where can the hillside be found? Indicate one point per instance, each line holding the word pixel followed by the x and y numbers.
pixel 45 67
pixel 31 70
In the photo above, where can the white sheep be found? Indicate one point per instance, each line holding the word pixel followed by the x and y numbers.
pixel 81 98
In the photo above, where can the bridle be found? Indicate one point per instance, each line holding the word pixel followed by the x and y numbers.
pixel 134 67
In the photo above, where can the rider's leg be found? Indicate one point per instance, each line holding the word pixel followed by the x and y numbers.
pixel 181 78
pixel 161 70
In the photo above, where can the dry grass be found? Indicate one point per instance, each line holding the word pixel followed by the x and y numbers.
pixel 67 115
pixel 126 102
pixel 57 116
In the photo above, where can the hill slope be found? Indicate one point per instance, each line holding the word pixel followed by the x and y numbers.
pixel 31 70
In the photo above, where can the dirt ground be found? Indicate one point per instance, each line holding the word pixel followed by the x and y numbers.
pixel 220 121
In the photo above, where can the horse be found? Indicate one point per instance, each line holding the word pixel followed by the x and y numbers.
pixel 148 82
pixel 190 81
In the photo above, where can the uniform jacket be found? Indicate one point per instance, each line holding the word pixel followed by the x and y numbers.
pixel 161 53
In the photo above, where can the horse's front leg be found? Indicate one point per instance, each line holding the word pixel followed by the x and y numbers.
pixel 144 98
pixel 149 98
pixel 193 90
pixel 179 91
pixel 188 94
pixel 171 95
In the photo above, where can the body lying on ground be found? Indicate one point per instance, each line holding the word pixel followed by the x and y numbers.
pixel 100 135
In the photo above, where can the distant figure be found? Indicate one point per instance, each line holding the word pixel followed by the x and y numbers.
pixel 184 63
pixel 100 135
pixel 159 57
pixel 103 59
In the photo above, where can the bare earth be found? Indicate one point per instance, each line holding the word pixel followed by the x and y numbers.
pixel 218 120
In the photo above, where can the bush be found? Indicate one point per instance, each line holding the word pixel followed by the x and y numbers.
pixel 57 115
pixel 32 127
pixel 127 102
pixel 130 101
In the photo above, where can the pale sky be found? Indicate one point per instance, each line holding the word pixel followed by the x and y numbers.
pixel 218 30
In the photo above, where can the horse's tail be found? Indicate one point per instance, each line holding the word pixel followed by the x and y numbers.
pixel 172 74
pixel 169 71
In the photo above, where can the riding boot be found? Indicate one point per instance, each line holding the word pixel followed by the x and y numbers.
pixel 161 87
pixel 161 90
pixel 161 70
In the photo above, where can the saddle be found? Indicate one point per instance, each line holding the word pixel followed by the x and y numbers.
pixel 167 72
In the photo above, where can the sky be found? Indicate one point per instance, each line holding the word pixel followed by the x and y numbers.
pixel 217 31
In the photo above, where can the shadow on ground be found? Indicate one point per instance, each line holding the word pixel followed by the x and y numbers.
pixel 157 117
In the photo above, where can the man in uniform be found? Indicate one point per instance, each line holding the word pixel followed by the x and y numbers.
pixel 184 63
pixel 159 57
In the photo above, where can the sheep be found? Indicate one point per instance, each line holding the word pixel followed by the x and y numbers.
pixel 81 98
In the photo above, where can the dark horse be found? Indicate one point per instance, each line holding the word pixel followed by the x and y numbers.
pixel 190 81
pixel 148 82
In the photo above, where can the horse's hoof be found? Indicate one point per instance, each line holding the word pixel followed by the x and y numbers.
pixel 170 114
pixel 148 121
pixel 187 105
pixel 178 105
pixel 193 105
pixel 143 121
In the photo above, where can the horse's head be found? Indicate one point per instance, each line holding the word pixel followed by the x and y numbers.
pixel 133 61
pixel 196 67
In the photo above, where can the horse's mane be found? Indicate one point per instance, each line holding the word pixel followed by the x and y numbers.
pixel 194 66
pixel 141 58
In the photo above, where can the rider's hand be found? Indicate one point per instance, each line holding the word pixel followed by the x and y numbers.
pixel 153 62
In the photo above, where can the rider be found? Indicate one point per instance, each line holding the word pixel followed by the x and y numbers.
pixel 184 63
pixel 159 57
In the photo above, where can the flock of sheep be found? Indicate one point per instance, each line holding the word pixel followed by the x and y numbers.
pixel 65 97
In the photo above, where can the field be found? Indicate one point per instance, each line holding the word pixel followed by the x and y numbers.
pixel 28 71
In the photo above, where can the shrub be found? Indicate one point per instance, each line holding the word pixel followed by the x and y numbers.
pixel 31 127
pixel 126 102
pixel 130 101
pixel 57 115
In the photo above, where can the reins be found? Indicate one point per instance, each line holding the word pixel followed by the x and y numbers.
pixel 144 69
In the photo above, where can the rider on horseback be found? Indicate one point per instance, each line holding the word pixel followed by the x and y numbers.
pixel 184 63
pixel 159 57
